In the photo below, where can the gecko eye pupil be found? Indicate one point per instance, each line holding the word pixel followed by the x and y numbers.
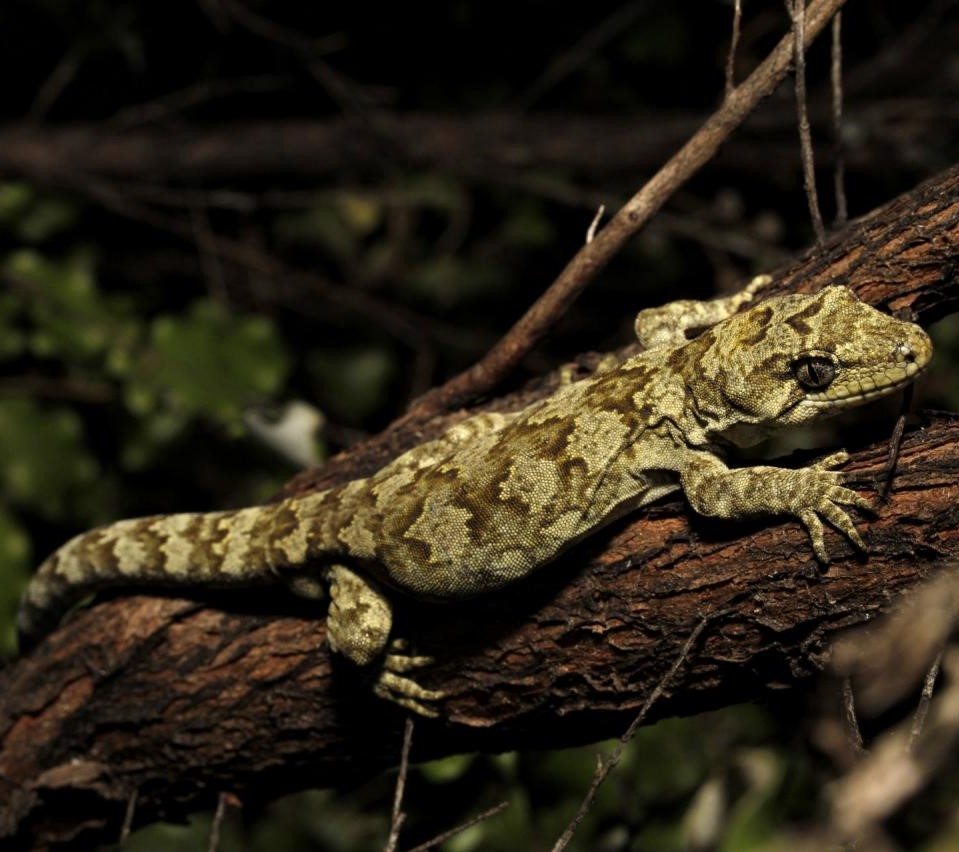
pixel 814 372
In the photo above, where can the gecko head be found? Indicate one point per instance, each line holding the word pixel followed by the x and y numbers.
pixel 791 360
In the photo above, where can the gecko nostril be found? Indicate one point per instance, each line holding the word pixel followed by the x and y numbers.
pixel 905 352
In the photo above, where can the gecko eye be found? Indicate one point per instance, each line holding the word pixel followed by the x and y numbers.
pixel 814 372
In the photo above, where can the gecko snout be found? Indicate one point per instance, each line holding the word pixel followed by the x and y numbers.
pixel 914 352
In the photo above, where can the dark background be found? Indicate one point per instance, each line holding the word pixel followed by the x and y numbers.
pixel 347 204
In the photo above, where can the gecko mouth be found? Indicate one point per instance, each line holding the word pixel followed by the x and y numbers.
pixel 864 384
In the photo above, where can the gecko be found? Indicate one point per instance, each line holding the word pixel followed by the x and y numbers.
pixel 500 495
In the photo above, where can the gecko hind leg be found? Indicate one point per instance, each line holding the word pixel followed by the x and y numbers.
pixel 358 626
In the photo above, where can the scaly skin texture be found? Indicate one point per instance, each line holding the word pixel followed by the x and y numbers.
pixel 500 495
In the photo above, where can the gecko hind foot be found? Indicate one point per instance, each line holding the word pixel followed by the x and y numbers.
pixel 394 685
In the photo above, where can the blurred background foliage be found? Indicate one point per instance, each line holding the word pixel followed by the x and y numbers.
pixel 160 306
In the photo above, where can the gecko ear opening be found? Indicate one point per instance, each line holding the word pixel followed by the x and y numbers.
pixel 814 372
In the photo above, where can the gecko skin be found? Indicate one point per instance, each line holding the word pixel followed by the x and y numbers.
pixel 500 495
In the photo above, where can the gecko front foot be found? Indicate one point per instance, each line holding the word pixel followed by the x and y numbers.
pixel 813 494
pixel 824 495
pixel 394 685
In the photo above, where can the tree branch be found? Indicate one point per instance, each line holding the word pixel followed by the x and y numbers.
pixel 902 256
pixel 899 135
pixel 177 701
pixel 486 374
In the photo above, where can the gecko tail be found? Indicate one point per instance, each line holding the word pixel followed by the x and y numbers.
pixel 214 549
pixel 53 591
pixel 41 608
pixel 86 564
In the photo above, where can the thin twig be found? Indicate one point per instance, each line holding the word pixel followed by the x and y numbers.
pixel 895 442
pixel 446 835
pixel 502 358
pixel 733 241
pixel 733 45
pixel 196 94
pixel 797 11
pixel 278 34
pixel 398 817
pixel 345 92
pixel 127 826
pixel 890 775
pixel 591 231
pixel 925 699
pixel 209 261
pixel 402 323
pixel 885 67
pixel 215 826
pixel 59 78
pixel 604 768
pixel 584 49
pixel 850 720
pixel 839 149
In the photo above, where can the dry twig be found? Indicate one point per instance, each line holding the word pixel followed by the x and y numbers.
pixel 398 817
pixel 797 12
pixel 604 768
pixel 201 92
pixel 214 841
pixel 591 231
pixel 925 700
pixel 895 442
pixel 733 44
pixel 853 734
pixel 886 661
pixel 502 358
pixel 446 835
pixel 839 167
pixel 893 771
pixel 127 826
pixel 405 325
pixel 587 46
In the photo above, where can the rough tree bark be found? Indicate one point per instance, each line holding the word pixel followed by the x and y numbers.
pixel 177 700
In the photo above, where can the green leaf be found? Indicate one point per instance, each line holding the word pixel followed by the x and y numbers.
pixel 44 462
pixel 12 337
pixel 15 557
pixel 448 768
pixel 35 217
pixel 69 318
pixel 45 219
pixel 209 362
pixel 15 199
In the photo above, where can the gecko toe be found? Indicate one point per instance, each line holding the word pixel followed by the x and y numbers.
pixel 815 529
pixel 842 522
pixel 848 497
pixel 408 693
pixel 395 685
pixel 836 459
